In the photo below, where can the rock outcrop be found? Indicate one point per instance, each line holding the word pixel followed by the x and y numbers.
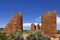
pixel 15 24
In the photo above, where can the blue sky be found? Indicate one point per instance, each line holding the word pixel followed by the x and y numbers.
pixel 32 10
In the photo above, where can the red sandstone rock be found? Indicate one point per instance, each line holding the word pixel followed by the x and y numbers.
pixel 33 27
pixel 38 27
pixel 15 24
pixel 49 23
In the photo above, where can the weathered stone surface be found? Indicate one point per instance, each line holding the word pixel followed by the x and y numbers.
pixel 15 24
pixel 38 27
pixel 49 23
pixel 33 27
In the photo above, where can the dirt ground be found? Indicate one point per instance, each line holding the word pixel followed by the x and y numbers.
pixel 54 38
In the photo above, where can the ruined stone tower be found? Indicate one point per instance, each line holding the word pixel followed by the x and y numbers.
pixel 38 27
pixel 33 27
pixel 49 23
pixel 15 24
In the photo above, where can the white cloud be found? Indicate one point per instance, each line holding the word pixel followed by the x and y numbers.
pixel 58 23
pixel 29 24
pixel 26 26
pixel 58 20
pixel 38 19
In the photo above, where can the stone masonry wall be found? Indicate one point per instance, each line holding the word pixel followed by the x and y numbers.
pixel 33 27
pixel 38 27
pixel 15 24
pixel 49 23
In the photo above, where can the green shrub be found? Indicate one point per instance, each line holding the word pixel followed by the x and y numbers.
pixel 34 35
pixel 3 36
pixel 15 36
pixel 45 37
pixel 31 37
pixel 37 35
pixel 58 31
